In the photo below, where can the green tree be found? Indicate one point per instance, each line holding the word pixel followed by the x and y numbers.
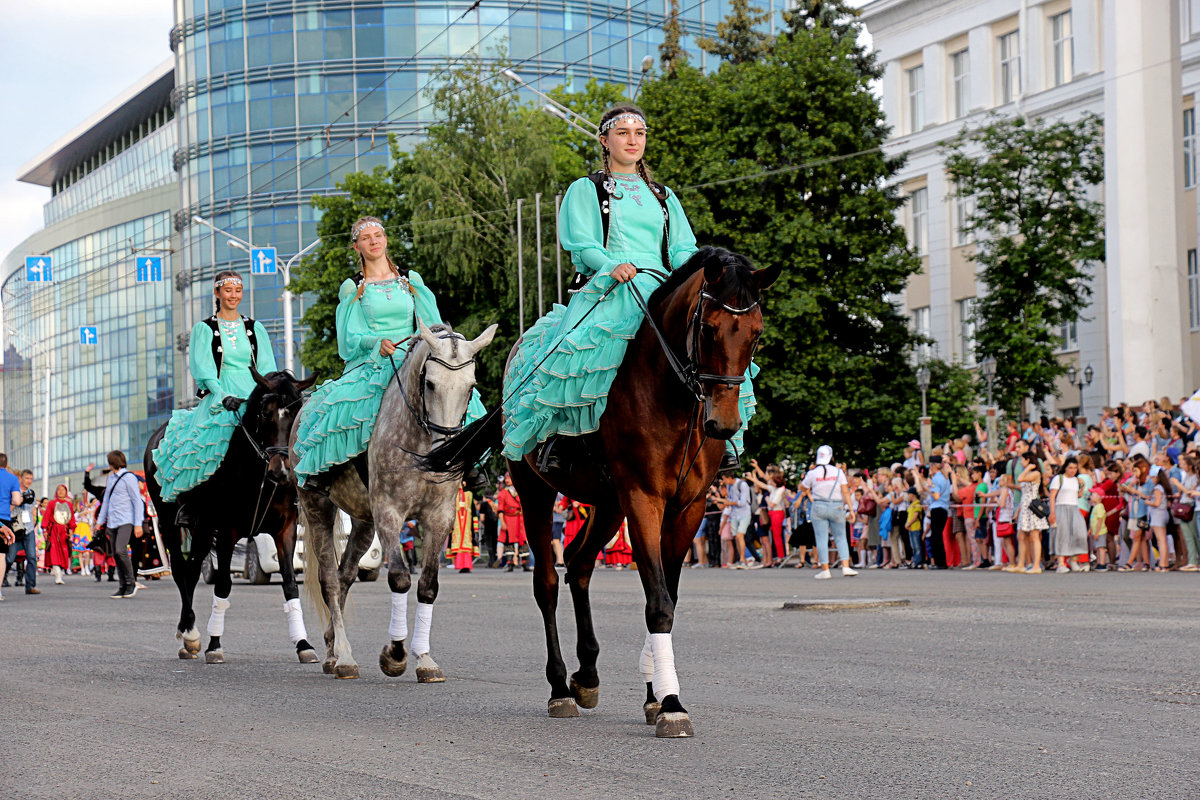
pixel 784 161
pixel 739 36
pixel 671 53
pixel 380 193
pixel 1038 234
pixel 952 407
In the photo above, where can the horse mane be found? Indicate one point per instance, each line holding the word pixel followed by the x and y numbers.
pixel 735 283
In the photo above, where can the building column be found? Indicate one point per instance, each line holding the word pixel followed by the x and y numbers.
pixel 941 295
pixel 1084 27
pixel 1144 189
pixel 1033 51
pixel 981 49
pixel 933 58
pixel 891 93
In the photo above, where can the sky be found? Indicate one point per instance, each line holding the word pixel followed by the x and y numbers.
pixel 60 62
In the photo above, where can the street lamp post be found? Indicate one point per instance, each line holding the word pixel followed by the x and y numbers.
pixel 989 375
pixel 289 347
pixel 555 108
pixel 1080 381
pixel 46 408
pixel 926 423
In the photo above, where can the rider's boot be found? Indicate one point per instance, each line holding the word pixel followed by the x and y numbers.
pixel 477 481
pixel 730 462
pixel 183 519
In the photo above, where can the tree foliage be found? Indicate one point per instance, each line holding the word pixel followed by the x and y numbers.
pixel 951 406
pixel 671 53
pixel 1037 235
pixel 740 37
pixel 780 158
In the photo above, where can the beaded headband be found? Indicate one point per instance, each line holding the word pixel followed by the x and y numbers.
pixel 612 123
pixel 363 226
pixel 233 280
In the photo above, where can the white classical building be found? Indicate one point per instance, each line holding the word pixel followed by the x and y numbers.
pixel 1136 64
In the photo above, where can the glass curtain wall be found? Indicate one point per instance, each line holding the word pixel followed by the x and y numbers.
pixel 108 395
pixel 278 101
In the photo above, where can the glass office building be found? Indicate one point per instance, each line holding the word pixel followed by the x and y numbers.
pixel 113 187
pixel 280 100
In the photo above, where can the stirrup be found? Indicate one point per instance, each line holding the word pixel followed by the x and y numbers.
pixel 729 463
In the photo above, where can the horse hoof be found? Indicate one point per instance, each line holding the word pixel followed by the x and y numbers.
pixel 562 708
pixel 585 696
pixel 190 645
pixel 214 657
pixel 186 655
pixel 652 710
pixel 345 671
pixel 307 656
pixel 673 725
pixel 390 666
pixel 328 665
pixel 428 671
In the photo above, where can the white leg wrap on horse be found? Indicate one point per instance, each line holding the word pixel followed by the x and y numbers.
pixel 398 627
pixel 646 661
pixel 216 621
pixel 420 643
pixel 295 617
pixel 666 682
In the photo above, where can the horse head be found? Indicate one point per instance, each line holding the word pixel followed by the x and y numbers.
pixel 270 412
pixel 447 376
pixel 718 293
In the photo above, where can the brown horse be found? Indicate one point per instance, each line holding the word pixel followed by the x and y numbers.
pixel 671 407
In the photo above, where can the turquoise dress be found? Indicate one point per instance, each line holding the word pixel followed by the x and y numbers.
pixel 335 424
pixel 568 393
pixel 196 439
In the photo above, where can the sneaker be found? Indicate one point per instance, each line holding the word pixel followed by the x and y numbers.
pixel 847 572
pixel 823 575
pixel 1062 569
pixel 755 565
pixel 739 565
pixel 698 565
pixel 132 591
pixel 120 595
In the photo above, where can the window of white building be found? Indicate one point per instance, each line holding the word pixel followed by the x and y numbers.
pixel 960 68
pixel 1009 48
pixel 964 207
pixel 1193 275
pixel 1069 337
pixel 966 330
pixel 1063 48
pixel 1189 148
pixel 918 221
pixel 915 78
pixel 923 328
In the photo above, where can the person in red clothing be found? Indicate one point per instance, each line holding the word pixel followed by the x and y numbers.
pixel 1107 494
pixel 59 523
pixel 618 553
pixel 577 515
pixel 512 526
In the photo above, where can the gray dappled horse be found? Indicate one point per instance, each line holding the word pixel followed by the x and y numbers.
pixel 425 402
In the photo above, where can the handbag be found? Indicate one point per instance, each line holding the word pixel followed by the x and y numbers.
pixel 866 507
pixel 1183 511
pixel 1040 508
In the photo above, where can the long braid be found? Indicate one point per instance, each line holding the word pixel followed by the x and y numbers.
pixel 607 168
pixel 644 171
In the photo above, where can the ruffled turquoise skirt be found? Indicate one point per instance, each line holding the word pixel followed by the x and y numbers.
pixel 568 392
pixel 335 424
pixel 193 446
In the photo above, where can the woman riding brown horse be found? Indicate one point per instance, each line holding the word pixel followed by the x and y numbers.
pixel 672 405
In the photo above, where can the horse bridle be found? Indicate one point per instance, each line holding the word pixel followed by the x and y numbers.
pixel 266 453
pixel 422 417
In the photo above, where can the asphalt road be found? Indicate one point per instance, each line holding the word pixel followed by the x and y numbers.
pixel 986 686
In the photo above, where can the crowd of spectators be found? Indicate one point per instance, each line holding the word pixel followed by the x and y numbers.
pixel 1053 495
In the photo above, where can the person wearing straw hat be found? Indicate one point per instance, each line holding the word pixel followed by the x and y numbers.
pixel 827 486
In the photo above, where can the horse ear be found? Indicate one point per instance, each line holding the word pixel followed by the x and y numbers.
pixel 259 379
pixel 768 275
pixel 307 382
pixel 484 339
pixel 424 332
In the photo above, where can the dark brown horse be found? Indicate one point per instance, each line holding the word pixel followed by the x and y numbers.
pixel 658 449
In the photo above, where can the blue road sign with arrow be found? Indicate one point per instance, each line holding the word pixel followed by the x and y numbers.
pixel 262 261
pixel 149 268
pixel 39 269
pixel 87 334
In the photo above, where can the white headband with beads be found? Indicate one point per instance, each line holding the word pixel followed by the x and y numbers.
pixel 363 226
pixel 612 123
pixel 232 280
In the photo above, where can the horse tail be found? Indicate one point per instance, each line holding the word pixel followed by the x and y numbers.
pixel 312 576
pixel 467 448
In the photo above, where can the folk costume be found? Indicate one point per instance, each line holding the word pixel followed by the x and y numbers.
pixel 220 354
pixel 577 514
pixel 462 549
pixel 512 526
pixel 618 553
pixel 58 522
pixel 605 220
pixel 335 424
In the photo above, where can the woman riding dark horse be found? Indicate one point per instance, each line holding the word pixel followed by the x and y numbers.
pixel 664 394
pixel 220 470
